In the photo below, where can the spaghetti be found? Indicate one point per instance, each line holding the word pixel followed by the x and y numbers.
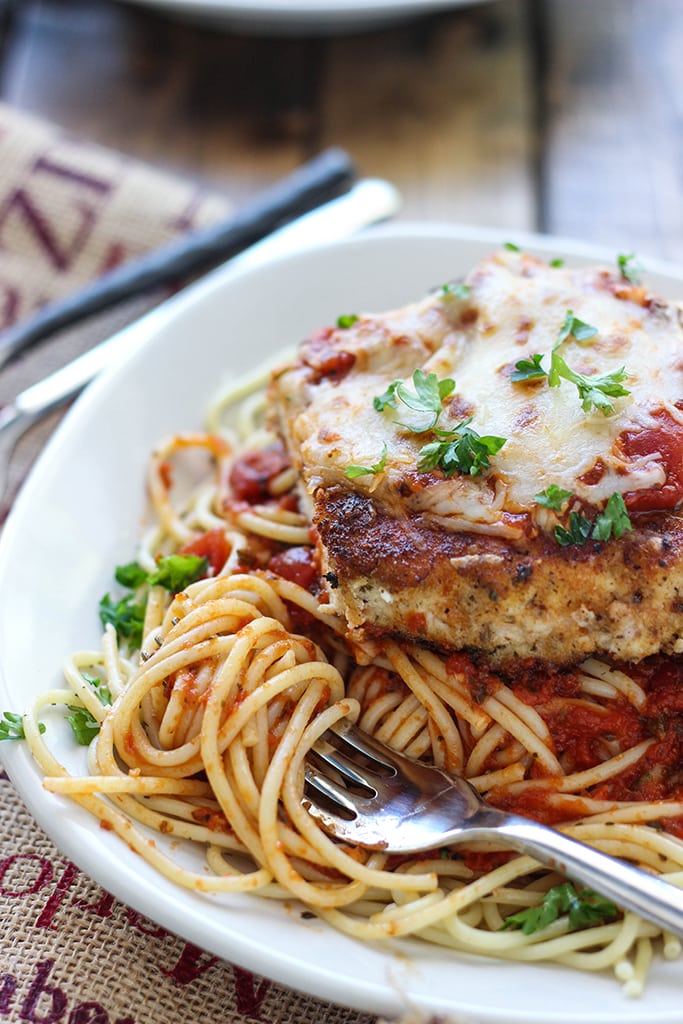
pixel 243 670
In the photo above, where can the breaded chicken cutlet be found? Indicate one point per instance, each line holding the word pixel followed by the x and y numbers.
pixel 499 467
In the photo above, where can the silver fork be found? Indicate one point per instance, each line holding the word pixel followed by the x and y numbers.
pixel 363 792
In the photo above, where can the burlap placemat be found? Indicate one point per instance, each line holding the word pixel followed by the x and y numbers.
pixel 70 210
pixel 69 952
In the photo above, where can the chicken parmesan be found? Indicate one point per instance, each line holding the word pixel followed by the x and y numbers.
pixel 499 467
pixel 487 477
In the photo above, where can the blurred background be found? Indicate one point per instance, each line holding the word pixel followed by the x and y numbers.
pixel 562 116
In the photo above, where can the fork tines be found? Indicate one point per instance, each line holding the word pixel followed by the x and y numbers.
pixel 344 778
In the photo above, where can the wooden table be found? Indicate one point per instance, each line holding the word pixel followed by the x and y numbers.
pixel 556 115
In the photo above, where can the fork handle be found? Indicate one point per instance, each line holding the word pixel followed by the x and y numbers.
pixel 647 895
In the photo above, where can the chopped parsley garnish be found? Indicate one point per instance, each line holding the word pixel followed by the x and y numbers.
pixel 101 689
pixel 12 726
pixel 379 467
pixel 578 533
pixel 131 575
pixel 552 497
pixel 380 402
pixel 584 908
pixel 556 263
pixel 574 328
pixel 629 267
pixel 459 289
pixel 427 397
pixel 127 616
pixel 347 320
pixel 84 725
pixel 175 572
pixel 511 247
pixel 461 450
pixel 613 521
pixel 594 391
pixel 528 369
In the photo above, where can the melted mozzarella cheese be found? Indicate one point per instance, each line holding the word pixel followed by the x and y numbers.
pixel 550 438
pixel 515 309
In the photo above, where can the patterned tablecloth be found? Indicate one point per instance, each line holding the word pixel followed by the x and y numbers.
pixel 69 952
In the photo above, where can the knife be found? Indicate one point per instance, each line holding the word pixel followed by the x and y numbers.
pixel 369 201
pixel 323 178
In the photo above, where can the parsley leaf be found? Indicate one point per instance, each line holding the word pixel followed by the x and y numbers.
pixel 131 575
pixel 629 267
pixel 587 908
pixel 175 572
pixel 353 471
pixel 583 906
pixel 427 397
pixel 556 263
pixel 461 450
pixel 594 391
pixel 511 247
pixel 459 289
pixel 574 328
pixel 347 320
pixel 102 691
pixel 552 497
pixel 12 726
pixel 533 919
pixel 84 726
pixel 613 521
pixel 578 532
pixel 528 369
pixel 380 402
pixel 555 372
pixel 126 616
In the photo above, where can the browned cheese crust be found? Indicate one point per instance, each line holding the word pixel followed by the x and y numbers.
pixel 473 562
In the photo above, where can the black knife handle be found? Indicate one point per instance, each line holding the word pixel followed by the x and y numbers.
pixel 319 180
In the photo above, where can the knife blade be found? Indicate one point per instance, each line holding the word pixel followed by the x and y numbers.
pixel 368 202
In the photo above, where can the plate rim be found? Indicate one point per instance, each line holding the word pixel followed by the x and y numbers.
pixel 302 15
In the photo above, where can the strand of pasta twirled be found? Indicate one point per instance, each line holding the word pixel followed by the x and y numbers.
pixel 209 729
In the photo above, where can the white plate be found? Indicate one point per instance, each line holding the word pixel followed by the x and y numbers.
pixel 78 517
pixel 290 16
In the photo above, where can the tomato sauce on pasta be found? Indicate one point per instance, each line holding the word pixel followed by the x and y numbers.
pixel 238 674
